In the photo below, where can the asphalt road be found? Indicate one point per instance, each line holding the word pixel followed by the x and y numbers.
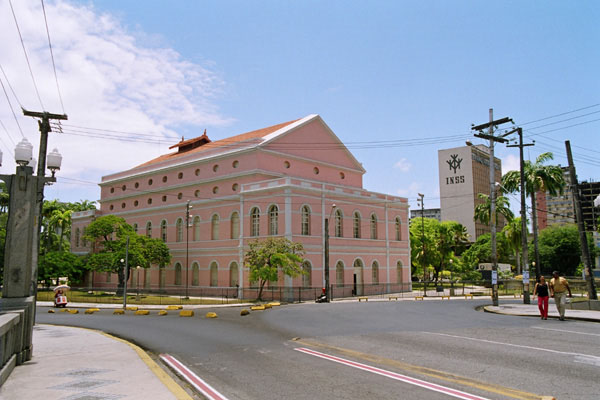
pixel 446 343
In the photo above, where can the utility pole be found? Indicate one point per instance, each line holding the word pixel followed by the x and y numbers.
pixel 327 294
pixel 585 252
pixel 525 258
pixel 421 195
pixel 187 247
pixel 490 125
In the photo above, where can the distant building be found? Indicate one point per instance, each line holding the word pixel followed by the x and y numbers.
pixel 464 172
pixel 434 213
pixel 284 180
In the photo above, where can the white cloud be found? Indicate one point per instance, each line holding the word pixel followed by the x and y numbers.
pixel 108 80
pixel 510 163
pixel 410 191
pixel 403 165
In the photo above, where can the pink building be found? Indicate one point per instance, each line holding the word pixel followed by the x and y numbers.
pixel 284 180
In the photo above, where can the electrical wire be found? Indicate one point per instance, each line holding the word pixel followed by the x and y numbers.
pixel 10 86
pixel 1 140
pixel 13 113
pixel 52 56
pixel 25 52
pixel 559 115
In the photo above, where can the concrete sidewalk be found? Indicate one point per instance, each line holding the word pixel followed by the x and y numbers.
pixel 81 364
pixel 531 310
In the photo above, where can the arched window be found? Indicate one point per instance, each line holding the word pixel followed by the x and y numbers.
pixel 375 273
pixel 339 223
pixel 163 230
pixel 235 225
pixel 195 274
pixel 233 275
pixel 398 228
pixel 306 274
pixel 214 274
pixel 135 228
pixel 77 234
pixel 177 274
pixel 305 220
pixel 356 225
pixel 373 226
pixel 149 229
pixel 254 222
pixel 339 273
pixel 214 227
pixel 399 273
pixel 196 227
pixel 273 220
pixel 179 229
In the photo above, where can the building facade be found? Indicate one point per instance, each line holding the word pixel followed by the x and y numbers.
pixel 435 213
pixel 284 180
pixel 464 172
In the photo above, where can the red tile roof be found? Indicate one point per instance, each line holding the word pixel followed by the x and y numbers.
pixel 233 142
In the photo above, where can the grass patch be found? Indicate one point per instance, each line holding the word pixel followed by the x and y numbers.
pixel 78 296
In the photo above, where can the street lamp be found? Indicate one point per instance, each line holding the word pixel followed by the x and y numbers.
pixel 137 279
pixel 327 286
pixel 451 277
pixel 187 247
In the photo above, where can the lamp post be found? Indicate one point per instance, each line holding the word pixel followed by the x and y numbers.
pixel 326 227
pixel 187 247
pixel 451 277
pixel 137 280
pixel 423 240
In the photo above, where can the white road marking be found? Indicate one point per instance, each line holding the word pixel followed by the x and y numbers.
pixel 393 375
pixel 583 356
pixel 564 330
pixel 192 378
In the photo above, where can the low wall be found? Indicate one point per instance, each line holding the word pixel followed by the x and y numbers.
pixel 593 305
pixel 16 323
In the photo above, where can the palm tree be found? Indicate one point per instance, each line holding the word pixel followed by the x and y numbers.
pixel 513 233
pixel 538 177
pixel 483 210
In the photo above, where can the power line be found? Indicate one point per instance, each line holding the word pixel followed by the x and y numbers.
pixel 561 114
pixel 9 150
pixel 52 56
pixel 13 112
pixel 10 86
pixel 25 52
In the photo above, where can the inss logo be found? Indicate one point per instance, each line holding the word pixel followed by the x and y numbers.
pixel 454 162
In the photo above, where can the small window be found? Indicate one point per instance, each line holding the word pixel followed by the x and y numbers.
pixel 124 187
pixel 111 207
pixel 316 170
pixel 197 172
pixel 342 176
pixel 164 178
pixel 215 167
pixel 179 195
pixel 122 205
pixel 286 164
pixel 137 185
pixel 305 220
pixel 164 198
pixel 180 175
pixel 112 190
pixel 273 220
pixel 197 193
pixel 215 190
pixel 136 203
pixel 235 164
pixel 150 200
pixel 150 182
pixel 234 187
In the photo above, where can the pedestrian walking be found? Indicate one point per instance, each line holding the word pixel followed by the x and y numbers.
pixel 541 290
pixel 558 290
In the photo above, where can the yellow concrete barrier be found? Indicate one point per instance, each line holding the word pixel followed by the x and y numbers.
pixel 419 298
pixel 63 310
pixel 132 308
pixel 257 308
pixel 445 297
pixel 142 312
pixel 73 311
pixel 363 298
pixel 162 312
pixel 51 311
pixel 392 297
pixel 211 315
pixel 186 313
pixel 90 310
pixel 274 304
pixel 244 312
pixel 468 296
pixel 119 312
pixel 267 306
pixel 174 307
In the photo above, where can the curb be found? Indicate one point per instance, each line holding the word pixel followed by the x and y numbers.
pixel 518 314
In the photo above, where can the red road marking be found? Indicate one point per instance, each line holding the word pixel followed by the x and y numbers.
pixel 393 375
pixel 192 378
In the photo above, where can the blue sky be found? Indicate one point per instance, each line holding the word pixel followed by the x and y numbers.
pixel 375 71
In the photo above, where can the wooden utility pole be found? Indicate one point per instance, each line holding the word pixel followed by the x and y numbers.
pixel 490 135
pixel 525 257
pixel 585 252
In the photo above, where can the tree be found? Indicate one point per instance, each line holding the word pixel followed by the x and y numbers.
pixel 483 210
pixel 481 251
pixel 267 257
pixel 560 249
pixel 109 235
pixel 58 264
pixel 513 233
pixel 538 177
